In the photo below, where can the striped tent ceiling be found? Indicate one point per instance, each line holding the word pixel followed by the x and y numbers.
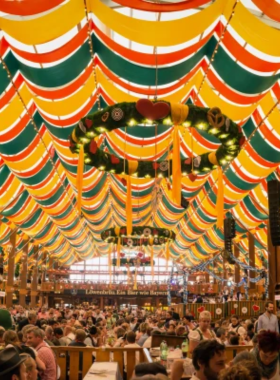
pixel 213 54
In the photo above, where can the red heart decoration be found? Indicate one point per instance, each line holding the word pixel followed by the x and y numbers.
pixel 152 111
pixel 155 165
pixel 115 160
pixel 201 309
pixel 93 147
pixel 255 308
pixel 123 181
pixel 88 123
pixel 52 152
pixel 233 311
pixel 188 161
pixel 192 177
pixel 242 141
pixel 122 254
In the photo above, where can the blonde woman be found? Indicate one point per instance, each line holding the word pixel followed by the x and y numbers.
pixel 202 332
pixel 31 369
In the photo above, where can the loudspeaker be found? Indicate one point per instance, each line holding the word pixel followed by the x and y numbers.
pixel 273 188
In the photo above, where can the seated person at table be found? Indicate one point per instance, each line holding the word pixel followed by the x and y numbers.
pixel 245 370
pixel 208 360
pixel 130 343
pixel 202 332
pixel 79 342
pixel 221 335
pixel 143 369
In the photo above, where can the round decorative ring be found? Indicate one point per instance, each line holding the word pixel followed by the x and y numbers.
pixel 219 311
pixel 143 112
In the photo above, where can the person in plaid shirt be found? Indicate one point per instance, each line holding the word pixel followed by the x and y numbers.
pixel 35 339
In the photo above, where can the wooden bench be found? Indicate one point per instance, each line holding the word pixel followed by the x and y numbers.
pixel 232 351
pixel 101 355
pixel 171 340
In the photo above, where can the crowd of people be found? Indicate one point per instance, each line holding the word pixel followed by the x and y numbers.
pixel 26 338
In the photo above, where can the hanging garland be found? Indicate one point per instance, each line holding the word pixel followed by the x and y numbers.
pixel 141 235
pixel 145 112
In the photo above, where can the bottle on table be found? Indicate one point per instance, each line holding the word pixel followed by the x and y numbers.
pixel 185 348
pixel 163 350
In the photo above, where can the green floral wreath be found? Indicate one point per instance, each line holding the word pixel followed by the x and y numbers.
pixel 146 112
pixel 141 235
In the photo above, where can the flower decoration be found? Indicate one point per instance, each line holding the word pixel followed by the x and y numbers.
pixel 144 111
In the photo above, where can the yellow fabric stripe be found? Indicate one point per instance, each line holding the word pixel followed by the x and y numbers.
pixel 164 33
pixel 47 27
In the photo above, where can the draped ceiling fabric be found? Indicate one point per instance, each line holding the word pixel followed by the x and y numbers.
pixel 47 84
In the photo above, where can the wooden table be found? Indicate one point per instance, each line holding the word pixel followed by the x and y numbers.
pixel 104 371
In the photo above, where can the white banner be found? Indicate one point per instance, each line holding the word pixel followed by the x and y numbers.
pixel 2 294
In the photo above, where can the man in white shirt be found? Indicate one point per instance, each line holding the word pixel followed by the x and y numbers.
pixel 130 343
pixel 268 320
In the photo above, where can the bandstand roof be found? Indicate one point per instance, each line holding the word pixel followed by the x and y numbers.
pixel 49 80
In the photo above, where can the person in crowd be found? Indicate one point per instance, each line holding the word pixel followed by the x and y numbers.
pixel 133 324
pixel 91 339
pixel 168 318
pixel 268 320
pixel 230 334
pixel 202 332
pixel 234 340
pixel 130 343
pixel 143 369
pixel 244 355
pixel 31 369
pixel 35 339
pixel 180 331
pixel 245 370
pixel 187 322
pixel 57 336
pixel 267 354
pixel 11 340
pixel 68 313
pixel 79 339
pixel 198 299
pixel 120 340
pixel 49 335
pixel 175 315
pixel 98 314
pixel 43 314
pixel 221 335
pixel 143 333
pixel 2 332
pixel 148 342
pixel 79 342
pixel 69 335
pixel 208 359
pixel 21 314
pixel 30 320
pixel 12 365
pixel 171 329
pixel 236 327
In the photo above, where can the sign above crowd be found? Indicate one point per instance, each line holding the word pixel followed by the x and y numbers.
pixel 127 292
